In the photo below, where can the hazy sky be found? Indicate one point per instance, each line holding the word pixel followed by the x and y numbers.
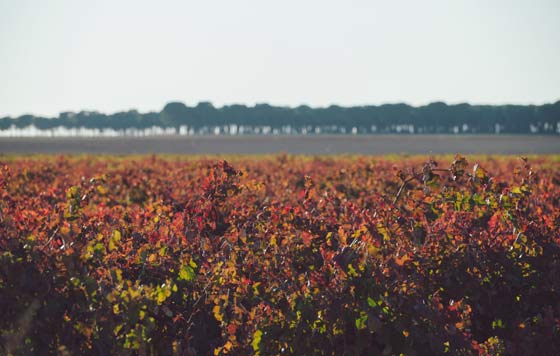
pixel 112 55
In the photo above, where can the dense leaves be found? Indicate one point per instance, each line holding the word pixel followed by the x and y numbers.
pixel 280 255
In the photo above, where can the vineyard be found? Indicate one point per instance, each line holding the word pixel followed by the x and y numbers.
pixel 279 255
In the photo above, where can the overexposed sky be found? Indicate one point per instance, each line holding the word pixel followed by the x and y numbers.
pixel 113 55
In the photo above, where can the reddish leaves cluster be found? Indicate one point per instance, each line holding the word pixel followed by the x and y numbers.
pixel 281 255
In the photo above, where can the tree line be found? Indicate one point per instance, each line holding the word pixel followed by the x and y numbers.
pixel 437 117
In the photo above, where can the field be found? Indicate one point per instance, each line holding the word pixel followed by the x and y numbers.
pixel 322 144
pixel 280 254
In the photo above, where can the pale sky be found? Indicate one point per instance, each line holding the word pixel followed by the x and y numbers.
pixel 114 55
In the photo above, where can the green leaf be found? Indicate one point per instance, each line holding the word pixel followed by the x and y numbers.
pixel 186 273
pixel 361 322
pixel 498 324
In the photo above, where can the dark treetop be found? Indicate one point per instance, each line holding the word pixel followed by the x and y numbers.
pixel 204 118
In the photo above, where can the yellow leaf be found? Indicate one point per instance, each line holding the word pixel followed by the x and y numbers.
pixel 256 340
pixel 114 240
pixel 101 189
pixel 372 250
pixel 117 329
pixel 118 274
pixel 217 313
pixel 228 346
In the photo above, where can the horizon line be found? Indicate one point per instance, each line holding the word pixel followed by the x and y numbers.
pixel 257 103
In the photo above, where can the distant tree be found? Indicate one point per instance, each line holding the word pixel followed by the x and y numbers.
pixel 176 114
pixel 437 117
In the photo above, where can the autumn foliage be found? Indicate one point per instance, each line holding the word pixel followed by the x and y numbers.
pixel 279 255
